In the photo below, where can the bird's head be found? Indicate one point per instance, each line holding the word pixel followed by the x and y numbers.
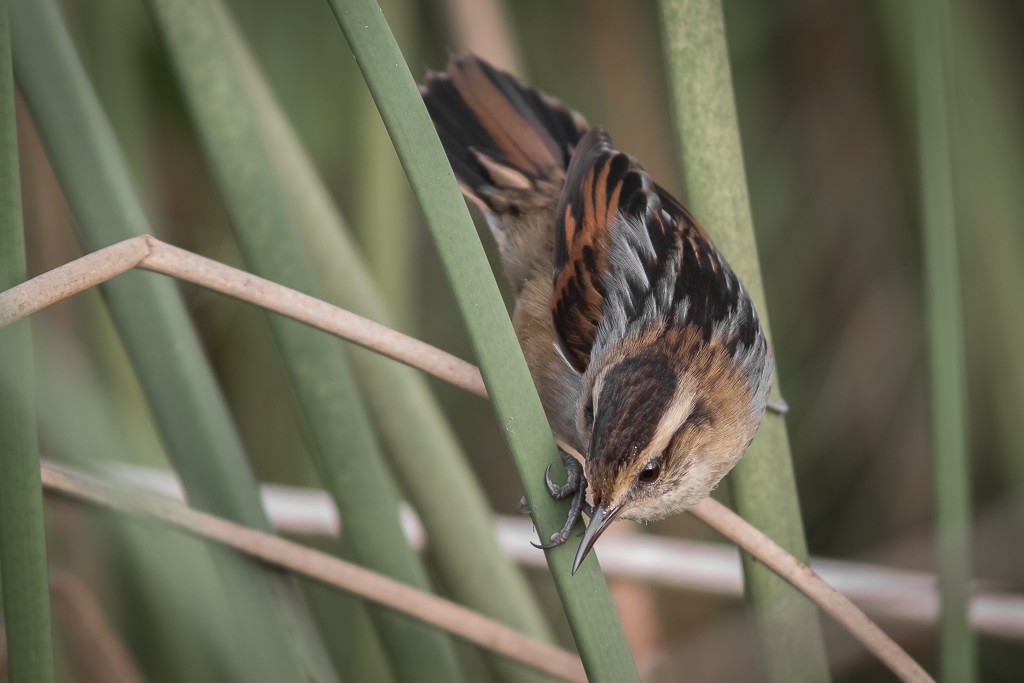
pixel 667 418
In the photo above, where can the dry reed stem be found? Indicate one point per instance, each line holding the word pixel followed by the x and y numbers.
pixel 831 601
pixel 480 27
pixel 151 254
pixel 99 654
pixel 273 550
pixel 3 652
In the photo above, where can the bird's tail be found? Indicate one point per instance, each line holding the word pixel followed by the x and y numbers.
pixel 501 137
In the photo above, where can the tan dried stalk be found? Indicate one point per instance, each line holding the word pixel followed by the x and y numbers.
pixel 829 600
pixel 99 654
pixel 382 590
pixel 148 253
pixel 3 652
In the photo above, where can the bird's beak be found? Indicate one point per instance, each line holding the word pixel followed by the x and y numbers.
pixel 600 518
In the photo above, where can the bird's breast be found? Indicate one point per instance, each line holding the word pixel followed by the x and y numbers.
pixel 559 385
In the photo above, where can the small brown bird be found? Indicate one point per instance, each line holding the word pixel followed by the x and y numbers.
pixel 644 346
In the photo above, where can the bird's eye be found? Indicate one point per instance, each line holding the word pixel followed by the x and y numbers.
pixel 650 472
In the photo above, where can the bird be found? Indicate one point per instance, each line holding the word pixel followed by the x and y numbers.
pixel 644 346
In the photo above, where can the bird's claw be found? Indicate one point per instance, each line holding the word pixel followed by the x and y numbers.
pixel 574 474
pixel 576 486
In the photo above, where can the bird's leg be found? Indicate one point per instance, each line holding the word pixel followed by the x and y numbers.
pixel 576 486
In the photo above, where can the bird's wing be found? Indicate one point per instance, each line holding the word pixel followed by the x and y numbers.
pixel 627 252
pixel 602 186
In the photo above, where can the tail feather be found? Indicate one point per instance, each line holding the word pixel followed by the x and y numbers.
pixel 499 134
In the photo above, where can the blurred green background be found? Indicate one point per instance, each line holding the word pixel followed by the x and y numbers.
pixel 825 98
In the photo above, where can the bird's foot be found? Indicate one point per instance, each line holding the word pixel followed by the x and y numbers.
pixel 575 486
